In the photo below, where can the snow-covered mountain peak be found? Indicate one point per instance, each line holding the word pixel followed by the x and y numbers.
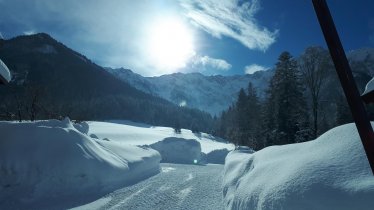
pixel 212 94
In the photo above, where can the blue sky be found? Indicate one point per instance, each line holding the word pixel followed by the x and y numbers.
pixel 164 36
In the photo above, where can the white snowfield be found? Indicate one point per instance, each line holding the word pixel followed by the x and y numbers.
pixel 331 172
pixel 4 71
pixel 43 162
pixel 126 132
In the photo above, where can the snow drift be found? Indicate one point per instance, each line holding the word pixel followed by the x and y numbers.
pixel 53 159
pixel 4 72
pixel 178 150
pixel 331 172
pixel 217 156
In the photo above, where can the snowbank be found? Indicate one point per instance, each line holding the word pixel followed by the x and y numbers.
pixel 127 132
pixel 52 159
pixel 331 172
pixel 217 156
pixel 178 150
pixel 4 72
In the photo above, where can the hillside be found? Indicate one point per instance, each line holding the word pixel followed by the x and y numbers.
pixel 49 80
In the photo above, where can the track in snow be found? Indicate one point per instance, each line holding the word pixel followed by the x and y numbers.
pixel 177 186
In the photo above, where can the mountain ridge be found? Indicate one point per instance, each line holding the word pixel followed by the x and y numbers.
pixel 212 94
pixel 51 80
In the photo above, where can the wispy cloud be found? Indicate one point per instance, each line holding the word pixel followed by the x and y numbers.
pixel 250 69
pixel 206 61
pixel 1 35
pixel 231 18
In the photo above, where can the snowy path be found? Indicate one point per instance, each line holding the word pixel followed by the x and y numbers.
pixel 176 187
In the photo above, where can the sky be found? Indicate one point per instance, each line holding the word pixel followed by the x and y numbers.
pixel 155 37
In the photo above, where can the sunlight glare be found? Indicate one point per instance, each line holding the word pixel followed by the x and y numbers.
pixel 170 45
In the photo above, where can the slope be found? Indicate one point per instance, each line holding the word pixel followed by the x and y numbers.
pixel 50 80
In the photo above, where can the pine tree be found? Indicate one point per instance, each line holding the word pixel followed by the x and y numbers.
pixel 241 117
pixel 253 115
pixel 286 117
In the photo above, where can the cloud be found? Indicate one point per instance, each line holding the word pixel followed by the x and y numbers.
pixel 250 69
pixel 1 35
pixel 215 63
pixel 230 18
pixel 112 33
pixel 28 33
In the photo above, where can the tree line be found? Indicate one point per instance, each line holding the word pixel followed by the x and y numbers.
pixel 303 100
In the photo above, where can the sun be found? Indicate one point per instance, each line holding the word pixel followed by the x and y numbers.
pixel 170 44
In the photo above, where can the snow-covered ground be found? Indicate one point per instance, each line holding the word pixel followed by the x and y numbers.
pixel 58 164
pixel 126 132
pixel 331 172
pixel 49 162
pixel 178 186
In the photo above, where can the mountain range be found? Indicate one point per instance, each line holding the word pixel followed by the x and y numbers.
pixel 212 94
pixel 69 80
pixel 215 94
pixel 50 80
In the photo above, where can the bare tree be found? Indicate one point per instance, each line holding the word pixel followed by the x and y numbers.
pixel 34 94
pixel 314 64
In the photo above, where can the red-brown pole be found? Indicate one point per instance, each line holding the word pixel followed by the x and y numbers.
pixel 346 78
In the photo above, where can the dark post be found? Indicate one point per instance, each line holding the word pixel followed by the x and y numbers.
pixel 346 78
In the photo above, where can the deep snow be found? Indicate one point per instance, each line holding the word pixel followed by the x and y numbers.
pixel 178 186
pixel 178 150
pixel 58 164
pixel 126 132
pixel 331 172
pixel 43 162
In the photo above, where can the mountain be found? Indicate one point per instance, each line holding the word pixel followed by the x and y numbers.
pixel 212 94
pixel 50 80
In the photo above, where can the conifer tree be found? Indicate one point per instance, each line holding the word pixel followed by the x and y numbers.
pixel 286 119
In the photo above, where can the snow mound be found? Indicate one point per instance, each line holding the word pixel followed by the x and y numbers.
pixel 50 159
pixel 217 156
pixel 4 72
pixel 131 133
pixel 331 172
pixel 178 150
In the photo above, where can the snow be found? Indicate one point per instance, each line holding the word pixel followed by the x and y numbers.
pixel 130 133
pixel 4 71
pixel 45 161
pixel 217 156
pixel 331 172
pixel 178 186
pixel 369 86
pixel 212 94
pixel 178 150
